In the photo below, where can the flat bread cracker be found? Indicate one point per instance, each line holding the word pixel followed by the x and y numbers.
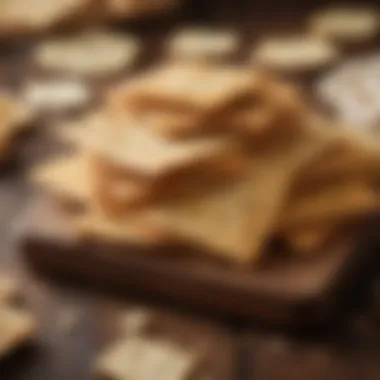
pixel 94 53
pixel 66 177
pixel 294 53
pixel 235 221
pixel 198 43
pixel 198 88
pixel 141 151
pixel 136 228
pixel 346 24
pixel 56 95
pixel 146 359
pixel 16 329
pixel 333 205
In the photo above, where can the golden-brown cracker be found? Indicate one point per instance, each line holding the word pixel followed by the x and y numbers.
pixel 143 358
pixel 235 221
pixel 334 204
pixel 65 177
pixel 16 328
pixel 186 87
pixel 93 53
pixel 294 53
pixel 135 228
pixel 202 43
pixel 346 24
pixel 147 154
pixel 113 189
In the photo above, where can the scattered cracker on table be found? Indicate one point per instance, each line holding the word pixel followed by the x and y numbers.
pixel 56 95
pixel 16 329
pixel 346 24
pixel 92 53
pixel 203 43
pixel 294 53
pixel 146 359
pixel 352 91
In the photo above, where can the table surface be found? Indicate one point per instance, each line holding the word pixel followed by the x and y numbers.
pixel 348 349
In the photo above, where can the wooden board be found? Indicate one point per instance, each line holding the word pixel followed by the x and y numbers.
pixel 284 292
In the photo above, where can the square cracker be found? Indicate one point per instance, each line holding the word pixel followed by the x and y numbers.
pixel 16 328
pixel 333 204
pixel 187 87
pixel 235 221
pixel 146 359
pixel 66 177
pixel 140 151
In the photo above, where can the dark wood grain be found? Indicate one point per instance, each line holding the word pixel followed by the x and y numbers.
pixel 283 292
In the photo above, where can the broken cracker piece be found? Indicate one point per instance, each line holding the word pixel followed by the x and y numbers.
pixel 294 53
pixel 235 221
pixel 135 228
pixel 202 43
pixel 56 95
pixel 16 329
pixel 66 178
pixel 143 359
pixel 147 154
pixel 197 88
pixel 94 53
pixel 346 24
pixel 330 205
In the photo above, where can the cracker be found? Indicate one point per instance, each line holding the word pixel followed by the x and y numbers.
pixel 141 151
pixel 136 228
pixel 143 359
pixel 334 205
pixel 56 95
pixel 294 53
pixel 16 329
pixel 93 53
pixel 234 221
pixel 65 177
pixel 347 24
pixel 198 88
pixel 197 42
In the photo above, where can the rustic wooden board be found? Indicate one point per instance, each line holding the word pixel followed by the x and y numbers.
pixel 284 291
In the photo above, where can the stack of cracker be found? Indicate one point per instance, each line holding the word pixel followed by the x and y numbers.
pixel 201 155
